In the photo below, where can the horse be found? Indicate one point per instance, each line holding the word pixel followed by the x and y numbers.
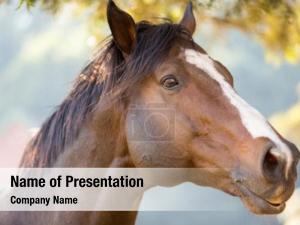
pixel 157 73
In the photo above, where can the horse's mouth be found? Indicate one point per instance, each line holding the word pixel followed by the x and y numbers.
pixel 258 204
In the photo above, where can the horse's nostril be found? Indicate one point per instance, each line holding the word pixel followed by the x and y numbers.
pixel 271 161
pixel 273 164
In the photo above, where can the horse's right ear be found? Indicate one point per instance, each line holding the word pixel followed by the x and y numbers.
pixel 122 27
pixel 188 21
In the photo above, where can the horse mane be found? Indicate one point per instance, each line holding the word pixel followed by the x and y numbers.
pixel 107 72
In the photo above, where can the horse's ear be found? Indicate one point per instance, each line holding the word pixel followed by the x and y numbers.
pixel 188 21
pixel 122 27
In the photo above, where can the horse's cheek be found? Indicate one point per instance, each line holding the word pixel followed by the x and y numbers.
pixel 151 141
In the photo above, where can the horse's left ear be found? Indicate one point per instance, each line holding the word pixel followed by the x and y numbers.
pixel 122 27
pixel 188 21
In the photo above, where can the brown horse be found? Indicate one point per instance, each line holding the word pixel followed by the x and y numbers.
pixel 154 98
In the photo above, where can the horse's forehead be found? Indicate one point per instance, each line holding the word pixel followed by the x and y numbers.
pixel 181 44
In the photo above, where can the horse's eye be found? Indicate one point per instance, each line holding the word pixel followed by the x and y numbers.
pixel 169 82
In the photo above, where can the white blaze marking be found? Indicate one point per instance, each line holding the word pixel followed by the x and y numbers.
pixel 252 120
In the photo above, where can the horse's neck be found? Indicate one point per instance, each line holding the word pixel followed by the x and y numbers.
pixel 67 218
pixel 101 218
pixel 101 143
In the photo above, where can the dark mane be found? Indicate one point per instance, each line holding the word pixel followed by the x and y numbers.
pixel 106 73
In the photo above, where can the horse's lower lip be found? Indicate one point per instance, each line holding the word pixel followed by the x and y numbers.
pixel 258 204
pixel 276 204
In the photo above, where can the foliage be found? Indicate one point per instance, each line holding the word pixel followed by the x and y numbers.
pixel 275 23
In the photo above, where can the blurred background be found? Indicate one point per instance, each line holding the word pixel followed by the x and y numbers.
pixel 44 44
